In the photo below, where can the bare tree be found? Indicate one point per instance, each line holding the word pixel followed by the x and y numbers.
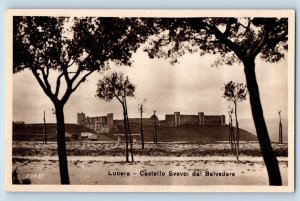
pixel 235 92
pixel 119 87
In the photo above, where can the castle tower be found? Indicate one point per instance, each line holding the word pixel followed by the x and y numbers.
pixel 223 120
pixel 177 118
pixel 201 118
pixel 80 118
pixel 110 119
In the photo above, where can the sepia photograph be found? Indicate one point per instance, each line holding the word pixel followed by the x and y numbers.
pixel 150 100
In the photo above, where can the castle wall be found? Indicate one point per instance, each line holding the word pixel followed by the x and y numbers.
pixel 189 119
pixel 177 119
pixel 146 121
pixel 213 120
pixel 102 124
pixel 170 119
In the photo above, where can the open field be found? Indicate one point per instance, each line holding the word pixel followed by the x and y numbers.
pixel 87 148
pixel 96 163
pixel 150 171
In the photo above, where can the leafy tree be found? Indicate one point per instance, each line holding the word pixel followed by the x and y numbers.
pixel 235 92
pixel 141 109
pixel 71 49
pixel 119 87
pixel 235 40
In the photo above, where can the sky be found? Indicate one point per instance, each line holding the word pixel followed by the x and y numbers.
pixel 189 87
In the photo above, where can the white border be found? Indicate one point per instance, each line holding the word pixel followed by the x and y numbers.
pixel 290 14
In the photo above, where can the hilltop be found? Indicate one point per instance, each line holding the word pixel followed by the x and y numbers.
pixel 190 133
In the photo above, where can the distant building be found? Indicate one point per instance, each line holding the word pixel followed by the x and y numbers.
pixel 178 119
pixel 102 124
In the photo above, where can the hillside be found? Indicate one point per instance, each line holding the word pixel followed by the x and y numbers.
pixel 190 133
pixel 28 132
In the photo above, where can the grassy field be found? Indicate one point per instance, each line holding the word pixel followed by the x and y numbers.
pixel 87 148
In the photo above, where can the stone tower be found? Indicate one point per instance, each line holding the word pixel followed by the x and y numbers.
pixel 177 118
pixel 80 118
pixel 223 120
pixel 201 118
pixel 110 119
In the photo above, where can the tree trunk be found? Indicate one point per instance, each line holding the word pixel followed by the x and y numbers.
pixel 61 145
pixel 229 133
pixel 260 124
pixel 280 130
pixel 126 133
pixel 45 129
pixel 155 127
pixel 130 138
pixel 128 126
pixel 232 136
pixel 280 133
pixel 153 133
pixel 142 134
pixel 237 132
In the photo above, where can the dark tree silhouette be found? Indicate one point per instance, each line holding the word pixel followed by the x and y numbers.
pixel 141 109
pixel 71 49
pixel 119 87
pixel 235 92
pixel 238 40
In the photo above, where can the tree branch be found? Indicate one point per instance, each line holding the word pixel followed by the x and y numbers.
pixel 76 74
pixel 47 71
pixel 41 83
pixel 273 42
pixel 261 43
pixel 45 77
pixel 228 27
pixel 223 39
pixel 58 84
pixel 69 65
pixel 119 99
pixel 66 74
pixel 82 79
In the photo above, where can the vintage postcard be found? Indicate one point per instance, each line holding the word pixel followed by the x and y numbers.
pixel 150 100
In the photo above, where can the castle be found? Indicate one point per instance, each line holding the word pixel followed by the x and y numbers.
pixel 102 124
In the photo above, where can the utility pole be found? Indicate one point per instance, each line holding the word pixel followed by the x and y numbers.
pixel 280 128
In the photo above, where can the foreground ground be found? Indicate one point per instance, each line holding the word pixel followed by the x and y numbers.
pixel 96 148
pixel 162 164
